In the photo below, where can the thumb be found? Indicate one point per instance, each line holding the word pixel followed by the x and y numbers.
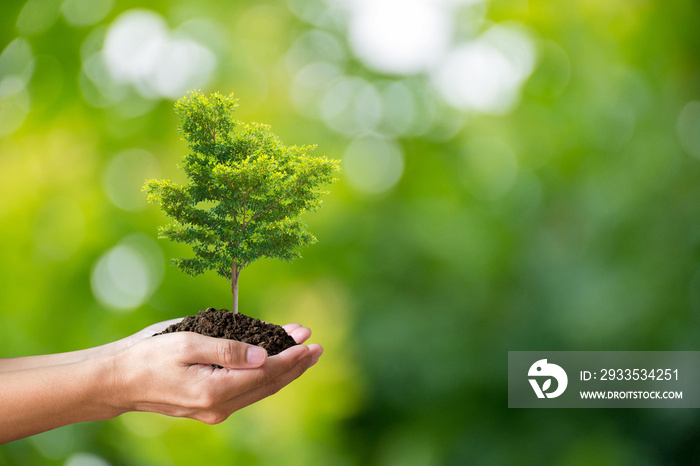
pixel 227 353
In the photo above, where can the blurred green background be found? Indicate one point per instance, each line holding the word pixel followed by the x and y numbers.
pixel 517 175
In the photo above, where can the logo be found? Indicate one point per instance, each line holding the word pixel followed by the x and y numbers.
pixel 543 369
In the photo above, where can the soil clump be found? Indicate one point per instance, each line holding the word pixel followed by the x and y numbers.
pixel 221 323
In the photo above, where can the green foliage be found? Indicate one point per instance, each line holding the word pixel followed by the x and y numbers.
pixel 246 194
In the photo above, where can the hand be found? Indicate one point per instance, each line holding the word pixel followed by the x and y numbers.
pixel 147 332
pixel 171 374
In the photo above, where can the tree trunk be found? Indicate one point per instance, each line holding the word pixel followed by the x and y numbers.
pixel 235 272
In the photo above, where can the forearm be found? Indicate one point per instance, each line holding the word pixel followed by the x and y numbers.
pixel 41 399
pixel 44 360
pixel 32 362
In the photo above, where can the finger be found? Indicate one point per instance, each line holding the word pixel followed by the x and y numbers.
pixel 160 326
pixel 291 327
pixel 226 386
pixel 238 382
pixel 230 354
pixel 167 323
pixel 298 332
pixel 316 352
pixel 301 363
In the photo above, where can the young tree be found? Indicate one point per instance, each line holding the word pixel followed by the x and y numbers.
pixel 246 191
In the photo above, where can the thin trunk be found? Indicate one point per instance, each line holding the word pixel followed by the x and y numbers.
pixel 235 271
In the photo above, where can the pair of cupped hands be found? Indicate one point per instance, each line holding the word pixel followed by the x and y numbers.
pixel 170 374
pixel 173 374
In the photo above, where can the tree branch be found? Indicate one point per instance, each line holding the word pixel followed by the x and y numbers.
pixel 247 193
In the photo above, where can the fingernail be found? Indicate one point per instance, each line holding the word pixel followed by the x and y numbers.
pixel 255 355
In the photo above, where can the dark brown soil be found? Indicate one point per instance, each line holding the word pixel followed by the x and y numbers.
pixel 221 323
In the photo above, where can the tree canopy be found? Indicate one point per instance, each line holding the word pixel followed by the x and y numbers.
pixel 246 191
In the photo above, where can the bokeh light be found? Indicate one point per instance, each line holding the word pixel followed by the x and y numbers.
pixel 125 276
pixel 372 164
pixel 398 109
pixel 86 459
pixel 125 175
pixel 486 75
pixel 37 16
pixel 16 69
pixel 82 13
pixel 351 106
pixel 310 86
pixel 139 50
pixel 399 36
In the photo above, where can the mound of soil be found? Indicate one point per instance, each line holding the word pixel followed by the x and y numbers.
pixel 221 323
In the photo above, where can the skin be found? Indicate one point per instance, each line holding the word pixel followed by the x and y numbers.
pixel 169 374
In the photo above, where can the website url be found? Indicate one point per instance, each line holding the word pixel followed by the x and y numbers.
pixel 631 395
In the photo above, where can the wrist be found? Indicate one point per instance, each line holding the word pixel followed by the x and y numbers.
pixel 116 382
